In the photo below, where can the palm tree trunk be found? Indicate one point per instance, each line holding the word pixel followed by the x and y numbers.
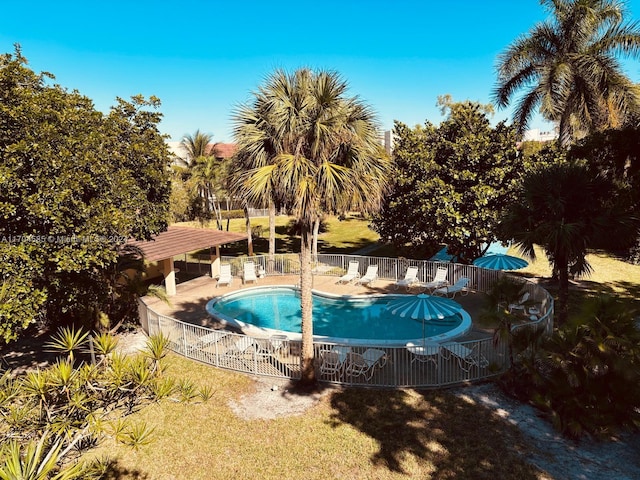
pixel 272 236
pixel 308 373
pixel 247 223
pixel 563 290
pixel 316 230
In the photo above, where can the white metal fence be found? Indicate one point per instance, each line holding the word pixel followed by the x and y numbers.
pixel 371 365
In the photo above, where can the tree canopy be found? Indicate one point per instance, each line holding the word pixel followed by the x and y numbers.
pixel 74 185
pixel 569 68
pixel 451 183
pixel 567 210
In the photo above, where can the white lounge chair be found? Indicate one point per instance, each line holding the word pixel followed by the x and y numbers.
pixel 249 272
pixel 519 305
pixel 466 357
pixel 370 276
pixel 331 364
pixel 352 273
pixel 242 346
pixel 410 279
pixel 451 290
pixel 225 277
pixel 438 281
pixel 364 363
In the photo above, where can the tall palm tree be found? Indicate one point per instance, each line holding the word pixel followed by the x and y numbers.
pixel 304 142
pixel 566 209
pixel 569 68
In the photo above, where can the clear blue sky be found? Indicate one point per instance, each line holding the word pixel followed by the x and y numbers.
pixel 204 58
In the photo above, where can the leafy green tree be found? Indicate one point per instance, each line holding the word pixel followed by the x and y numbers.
pixel 569 67
pixel 305 141
pixel 74 184
pixel 615 154
pixel 567 210
pixel 451 183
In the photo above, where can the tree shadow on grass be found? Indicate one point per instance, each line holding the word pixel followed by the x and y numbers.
pixel 115 471
pixel 447 436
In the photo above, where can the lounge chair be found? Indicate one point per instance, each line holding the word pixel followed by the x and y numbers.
pixel 370 276
pixel 519 305
pixel 243 346
pixel 438 281
pixel 451 290
pixel 331 364
pixel 352 273
pixel 249 272
pixel 364 364
pixel 466 357
pixel 225 277
pixel 410 279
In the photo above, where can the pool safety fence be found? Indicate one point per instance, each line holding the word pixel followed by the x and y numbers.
pixel 388 366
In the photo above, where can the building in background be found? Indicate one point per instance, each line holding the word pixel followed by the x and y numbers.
pixel 536 135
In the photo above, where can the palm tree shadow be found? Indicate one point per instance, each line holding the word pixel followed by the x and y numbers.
pixel 445 433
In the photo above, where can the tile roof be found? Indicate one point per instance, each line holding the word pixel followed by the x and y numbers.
pixel 178 240
pixel 224 150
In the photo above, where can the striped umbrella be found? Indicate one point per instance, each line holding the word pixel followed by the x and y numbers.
pixel 424 307
pixel 499 261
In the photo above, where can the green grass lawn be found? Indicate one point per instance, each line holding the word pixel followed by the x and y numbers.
pixel 349 434
pixel 339 236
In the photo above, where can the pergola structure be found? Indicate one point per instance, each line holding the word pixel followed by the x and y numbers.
pixel 178 240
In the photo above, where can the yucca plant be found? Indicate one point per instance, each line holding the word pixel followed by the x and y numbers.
pixel 104 343
pixel 162 387
pixel 36 461
pixel 206 393
pixel 156 349
pixel 68 340
pixel 137 435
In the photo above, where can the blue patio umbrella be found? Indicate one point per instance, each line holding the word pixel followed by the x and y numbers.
pixel 424 307
pixel 499 261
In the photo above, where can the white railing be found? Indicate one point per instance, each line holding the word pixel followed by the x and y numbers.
pixel 397 366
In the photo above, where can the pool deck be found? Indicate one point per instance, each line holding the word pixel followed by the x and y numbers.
pixel 188 305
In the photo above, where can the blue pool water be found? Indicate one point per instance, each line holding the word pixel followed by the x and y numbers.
pixel 341 317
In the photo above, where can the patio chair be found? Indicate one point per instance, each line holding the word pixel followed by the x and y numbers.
pixel 439 280
pixel 466 357
pixel 365 363
pixel 410 279
pixel 423 353
pixel 451 290
pixel 352 273
pixel 249 273
pixel 370 276
pixel 225 277
pixel 519 305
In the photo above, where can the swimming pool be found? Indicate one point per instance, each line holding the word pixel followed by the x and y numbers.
pixel 345 319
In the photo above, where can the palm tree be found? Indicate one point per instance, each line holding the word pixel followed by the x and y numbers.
pixel 569 67
pixel 196 146
pixel 304 142
pixel 566 209
pixel 206 177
